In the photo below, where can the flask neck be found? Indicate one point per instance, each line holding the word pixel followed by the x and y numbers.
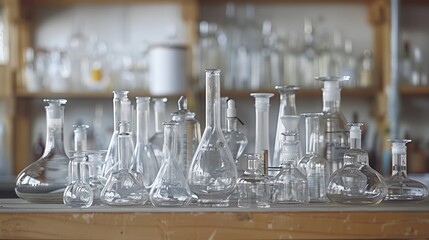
pixel 142 135
pixel 312 134
pixel 355 143
pixel 170 141
pixel 159 119
pixel 287 102
pixel 213 99
pixel 125 146
pixel 232 124
pixel 331 100
pixel 54 130
pixel 289 153
pixel 117 108
pixel 399 164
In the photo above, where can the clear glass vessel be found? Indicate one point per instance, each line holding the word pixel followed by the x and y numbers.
pixel 45 180
pixel 145 161
pixel 213 174
pixel 316 167
pixel 290 185
pixel 253 187
pixel 122 187
pixel 236 140
pixel 334 134
pixel 78 193
pixel 157 139
pixel 262 131
pixel 356 182
pixel 170 188
pixel 94 166
pixel 400 186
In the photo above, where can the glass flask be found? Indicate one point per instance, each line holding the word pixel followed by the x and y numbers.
pixel 45 180
pixel 287 107
pixel 253 187
pixel 356 182
pixel 400 186
pixel 189 134
pixel 262 107
pixel 333 137
pixel 213 174
pixel 316 167
pixel 236 140
pixel 78 193
pixel 94 177
pixel 170 188
pixel 145 160
pixel 157 140
pixel 119 98
pixel 122 187
pixel 290 185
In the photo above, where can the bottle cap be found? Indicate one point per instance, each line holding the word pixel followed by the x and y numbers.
pixel 399 146
pixel 231 111
pixel 262 100
pixel 355 131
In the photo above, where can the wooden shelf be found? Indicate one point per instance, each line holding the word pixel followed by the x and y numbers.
pixel 414 90
pixel 83 95
pixel 21 220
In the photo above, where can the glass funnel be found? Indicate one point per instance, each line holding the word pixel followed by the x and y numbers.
pixel 333 135
pixel 236 140
pixel 145 161
pixel 356 182
pixel 45 180
pixel 170 188
pixel 287 107
pixel 78 193
pixel 213 174
pixel 400 186
pixel 157 139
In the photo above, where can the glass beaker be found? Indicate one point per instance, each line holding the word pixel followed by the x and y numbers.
pixel 170 188
pixel 400 186
pixel 145 160
pixel 213 174
pixel 253 187
pixel 78 193
pixel 122 187
pixel 356 182
pixel 157 139
pixel 45 180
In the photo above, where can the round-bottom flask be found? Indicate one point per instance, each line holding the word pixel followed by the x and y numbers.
pixel 78 193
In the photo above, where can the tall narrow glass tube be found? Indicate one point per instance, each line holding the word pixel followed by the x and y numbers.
pixel 213 174
pixel 262 130
pixel 157 140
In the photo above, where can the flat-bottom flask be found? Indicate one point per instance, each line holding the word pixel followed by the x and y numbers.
pixel 400 186
pixel 95 178
pixel 170 188
pixel 78 193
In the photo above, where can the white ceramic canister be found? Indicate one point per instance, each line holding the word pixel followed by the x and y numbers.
pixel 167 69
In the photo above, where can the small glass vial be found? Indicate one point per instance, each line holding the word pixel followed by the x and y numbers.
pixel 253 186
pixel 170 188
pixel 400 186
pixel 78 193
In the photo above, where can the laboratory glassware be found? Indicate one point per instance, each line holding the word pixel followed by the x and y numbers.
pixel 157 139
pixel 287 107
pixel 316 167
pixel 400 186
pixel 262 107
pixel 290 185
pixel 253 187
pixel 122 187
pixel 356 182
pixel 45 180
pixel 224 107
pixel 189 134
pixel 94 177
pixel 170 188
pixel 333 137
pixel 80 138
pixel 145 160
pixel 236 140
pixel 213 174
pixel 78 193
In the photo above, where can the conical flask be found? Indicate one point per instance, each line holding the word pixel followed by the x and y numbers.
pixel 287 107
pixel 45 180
pixel 122 187
pixel 170 188
pixel 356 182
pixel 145 160
pixel 400 186
pixel 213 174
pixel 157 139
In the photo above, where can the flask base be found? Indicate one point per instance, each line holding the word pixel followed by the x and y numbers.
pixel 213 202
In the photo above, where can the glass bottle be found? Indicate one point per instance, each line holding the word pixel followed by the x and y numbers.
pixel 253 187
pixel 262 107
pixel 213 174
pixel 356 182
pixel 45 180
pixel 316 167
pixel 157 140
pixel 145 160
pixel 333 137
pixel 287 107
pixel 122 187
pixel 290 185
pixel 400 186
pixel 236 140
pixel 189 134
pixel 170 188
pixel 78 193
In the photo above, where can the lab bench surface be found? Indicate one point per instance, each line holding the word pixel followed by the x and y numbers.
pixel 404 220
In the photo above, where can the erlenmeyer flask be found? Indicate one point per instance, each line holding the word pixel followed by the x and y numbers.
pixel 78 193
pixel 122 188
pixel 356 182
pixel 213 174
pixel 45 180
pixel 287 107
pixel 170 188
pixel 400 186
pixel 145 160
pixel 157 139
